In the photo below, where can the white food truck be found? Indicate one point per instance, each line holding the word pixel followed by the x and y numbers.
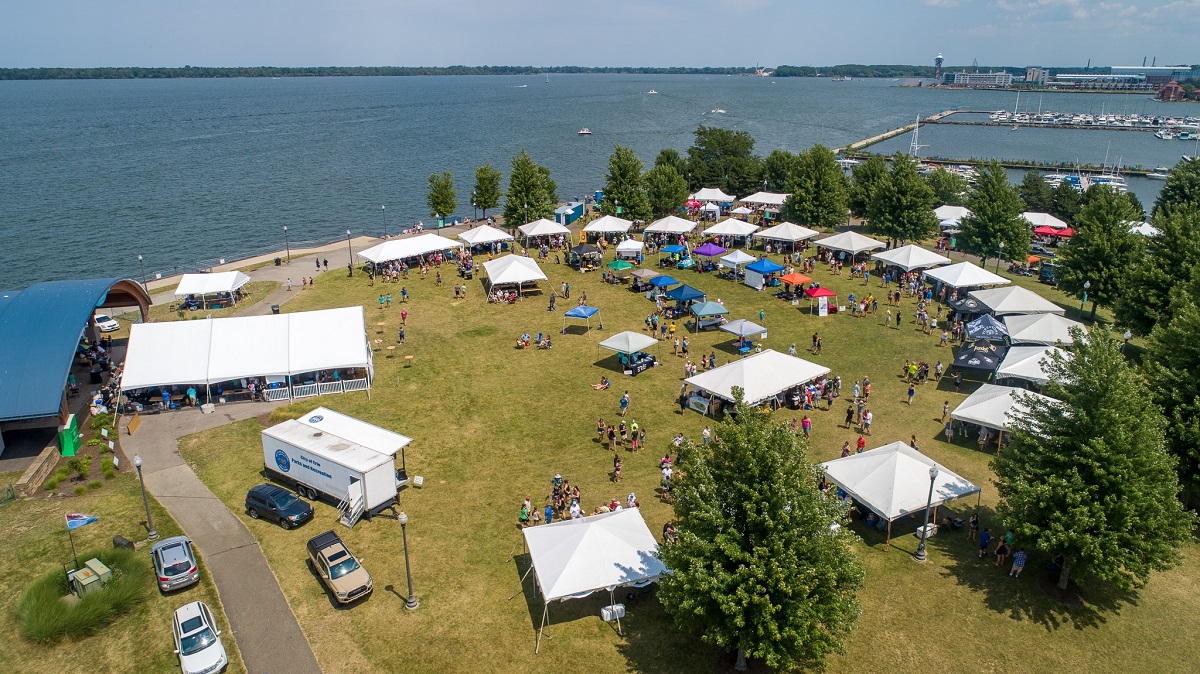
pixel 328 454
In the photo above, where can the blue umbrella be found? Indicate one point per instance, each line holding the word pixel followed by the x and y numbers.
pixel 663 281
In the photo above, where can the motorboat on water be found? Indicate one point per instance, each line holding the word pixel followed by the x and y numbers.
pixel 585 131
pixel 718 111
pixel 1159 173
pixel 652 92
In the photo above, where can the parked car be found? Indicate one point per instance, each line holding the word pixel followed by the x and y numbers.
pixel 277 505
pixel 174 563
pixel 106 323
pixel 338 569
pixel 197 640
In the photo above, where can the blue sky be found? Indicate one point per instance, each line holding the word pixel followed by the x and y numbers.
pixel 617 32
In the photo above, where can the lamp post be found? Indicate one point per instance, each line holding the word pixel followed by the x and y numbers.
pixel 349 247
pixel 920 554
pixel 1083 301
pixel 1128 336
pixel 137 463
pixel 410 603
pixel 998 256
pixel 383 209
pixel 287 244
pixel 474 208
pixel 143 265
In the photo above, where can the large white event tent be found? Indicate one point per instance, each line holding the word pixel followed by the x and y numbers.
pixel 1015 300
pixel 731 227
pixel 207 284
pixel 761 376
pixel 574 558
pixel 965 275
pixel 402 249
pixel 672 224
pixel 993 407
pixel 850 242
pixel 768 199
pixel 542 227
pixel 786 231
pixel 274 346
pixel 1043 220
pixel 711 194
pixel 893 482
pixel 484 234
pixel 1028 363
pixel 629 248
pixel 608 224
pixel 1040 328
pixel 513 269
pixel 951 215
pixel 911 257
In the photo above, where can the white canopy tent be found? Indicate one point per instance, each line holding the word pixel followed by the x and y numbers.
pixel 224 349
pixel 731 227
pixel 573 558
pixel 542 227
pixel 1028 363
pixel 965 275
pixel 513 269
pixel 786 231
pixel 1015 300
pixel 768 199
pixel 672 224
pixel 761 376
pixel 484 234
pixel 850 242
pixel 993 407
pixel 205 284
pixel 711 194
pixel 736 259
pixel 629 342
pixel 402 249
pixel 629 248
pixel 1040 328
pixel 743 328
pixel 911 257
pixel 608 224
pixel 711 207
pixel 1143 228
pixel 893 481
pixel 1043 220
pixel 951 214
pixel 742 210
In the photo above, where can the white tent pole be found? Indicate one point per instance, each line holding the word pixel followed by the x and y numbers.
pixel 523 577
pixel 545 611
pixel 613 602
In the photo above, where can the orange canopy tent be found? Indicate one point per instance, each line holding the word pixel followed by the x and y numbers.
pixel 795 279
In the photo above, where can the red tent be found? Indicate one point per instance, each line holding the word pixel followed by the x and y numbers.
pixel 1050 231
pixel 819 292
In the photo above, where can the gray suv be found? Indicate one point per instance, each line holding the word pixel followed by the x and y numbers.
pixel 174 563
pixel 278 505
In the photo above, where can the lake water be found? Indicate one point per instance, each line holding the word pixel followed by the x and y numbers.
pixel 184 172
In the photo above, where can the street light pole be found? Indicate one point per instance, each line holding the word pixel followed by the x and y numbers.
pixel 137 463
pixel 143 265
pixel 1082 302
pixel 287 244
pixel 998 256
pixel 920 554
pixel 383 208
pixel 349 247
pixel 474 208
pixel 411 602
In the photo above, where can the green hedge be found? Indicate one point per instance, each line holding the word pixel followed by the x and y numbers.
pixel 45 615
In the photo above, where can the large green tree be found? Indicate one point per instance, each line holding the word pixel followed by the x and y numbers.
pixel 868 178
pixel 1182 187
pixel 1067 202
pixel 779 168
pixel 487 188
pixel 949 189
pixel 1089 478
pixel 666 188
pixel 442 198
pixel 757 568
pixel 1171 257
pixel 1103 249
pixel 532 194
pixel 819 191
pixel 1172 362
pixel 670 157
pixel 995 217
pixel 725 159
pixel 1037 195
pixel 625 186
pixel 902 206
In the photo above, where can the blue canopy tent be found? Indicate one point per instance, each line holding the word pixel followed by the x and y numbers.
pixel 683 294
pixel 987 327
pixel 764 266
pixel 584 312
pixel 674 249
pixel 663 281
pixel 708 315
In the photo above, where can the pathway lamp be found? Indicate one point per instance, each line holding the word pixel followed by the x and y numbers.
pixel 920 554
pixel 137 463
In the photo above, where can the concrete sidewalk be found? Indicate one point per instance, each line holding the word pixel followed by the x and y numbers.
pixel 267 634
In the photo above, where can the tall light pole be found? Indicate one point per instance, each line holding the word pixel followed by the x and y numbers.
pixel 411 602
pixel 137 463
pixel 920 554
pixel 350 248
pixel 146 287
pixel 474 208
pixel 1082 302
pixel 383 209
pixel 998 256
pixel 287 245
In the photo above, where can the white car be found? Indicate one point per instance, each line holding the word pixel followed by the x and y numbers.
pixel 107 323
pixel 197 640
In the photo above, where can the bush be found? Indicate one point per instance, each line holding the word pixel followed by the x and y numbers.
pixel 101 421
pixel 110 473
pixel 51 484
pixel 44 616
pixel 80 490
pixel 95 484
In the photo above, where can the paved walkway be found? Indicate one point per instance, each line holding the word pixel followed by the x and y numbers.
pixel 267 634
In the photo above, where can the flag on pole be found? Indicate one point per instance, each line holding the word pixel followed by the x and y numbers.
pixel 76 520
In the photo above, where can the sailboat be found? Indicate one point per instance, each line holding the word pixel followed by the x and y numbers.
pixel 547 78
pixel 914 147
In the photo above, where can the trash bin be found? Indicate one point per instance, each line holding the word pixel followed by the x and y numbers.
pixel 274 308
pixel 278 261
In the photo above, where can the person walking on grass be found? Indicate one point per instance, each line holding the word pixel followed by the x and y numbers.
pixel 849 415
pixel 867 417
pixel 845 449
pixel 625 402
pixel 1018 564
pixel 617 463
pixel 985 539
pixel 912 391
pixel 973 526
pixel 806 425
pixel 957 381
pixel 945 411
pixel 404 294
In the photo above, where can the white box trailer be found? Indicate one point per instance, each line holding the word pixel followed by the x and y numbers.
pixel 331 455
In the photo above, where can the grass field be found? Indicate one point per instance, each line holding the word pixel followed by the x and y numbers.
pixel 35 541
pixel 492 424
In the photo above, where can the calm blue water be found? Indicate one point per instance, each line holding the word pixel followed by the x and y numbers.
pixel 187 171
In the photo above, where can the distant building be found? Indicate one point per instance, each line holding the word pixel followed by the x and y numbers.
pixel 1155 75
pixel 1171 91
pixel 992 79
pixel 1037 75
pixel 937 67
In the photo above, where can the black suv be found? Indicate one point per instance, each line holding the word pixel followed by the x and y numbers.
pixel 277 504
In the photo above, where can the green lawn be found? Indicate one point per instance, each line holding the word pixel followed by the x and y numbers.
pixel 492 424
pixel 35 541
